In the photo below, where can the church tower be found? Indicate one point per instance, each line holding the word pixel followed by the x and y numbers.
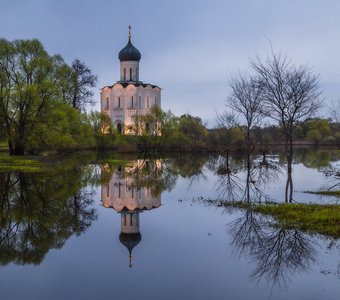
pixel 129 96
pixel 129 58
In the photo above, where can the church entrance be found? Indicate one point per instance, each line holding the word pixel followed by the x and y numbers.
pixel 119 128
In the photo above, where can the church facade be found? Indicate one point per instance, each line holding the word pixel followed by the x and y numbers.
pixel 129 97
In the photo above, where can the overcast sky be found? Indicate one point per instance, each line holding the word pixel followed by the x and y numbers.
pixel 190 48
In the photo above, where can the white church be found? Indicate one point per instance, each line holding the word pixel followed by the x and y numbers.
pixel 129 96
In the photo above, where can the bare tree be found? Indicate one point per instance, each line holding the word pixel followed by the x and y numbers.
pixel 290 93
pixel 82 81
pixel 245 99
pixel 226 124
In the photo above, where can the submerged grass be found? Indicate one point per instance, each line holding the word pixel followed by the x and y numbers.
pixel 16 163
pixel 3 146
pixel 312 218
pixel 325 193
pixel 115 161
pixel 52 161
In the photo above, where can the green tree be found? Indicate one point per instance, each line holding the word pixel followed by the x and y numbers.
pixel 190 132
pixel 154 128
pixel 34 91
pixel 102 126
pixel 63 129
pixel 27 89
pixel 318 130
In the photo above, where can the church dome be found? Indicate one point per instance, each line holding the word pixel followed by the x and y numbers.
pixel 129 53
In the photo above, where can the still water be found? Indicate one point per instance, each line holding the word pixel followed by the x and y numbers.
pixel 133 228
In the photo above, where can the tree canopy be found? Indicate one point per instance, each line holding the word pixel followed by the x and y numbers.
pixel 40 96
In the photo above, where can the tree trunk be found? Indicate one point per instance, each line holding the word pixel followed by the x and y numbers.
pixel 10 147
pixel 289 184
pixel 248 139
pixel 248 178
pixel 9 138
pixel 19 149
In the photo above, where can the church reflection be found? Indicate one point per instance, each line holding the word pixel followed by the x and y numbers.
pixel 129 194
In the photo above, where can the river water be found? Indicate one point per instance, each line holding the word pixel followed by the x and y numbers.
pixel 142 228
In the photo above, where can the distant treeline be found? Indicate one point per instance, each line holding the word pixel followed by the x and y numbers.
pixel 188 133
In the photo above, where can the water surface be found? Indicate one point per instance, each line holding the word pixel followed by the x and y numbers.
pixel 144 230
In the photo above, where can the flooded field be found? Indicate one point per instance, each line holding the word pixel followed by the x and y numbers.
pixel 156 228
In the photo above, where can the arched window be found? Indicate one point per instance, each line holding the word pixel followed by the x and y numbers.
pixel 118 102
pixel 107 103
pixel 147 102
pixel 130 73
pixel 124 74
pixel 140 102
pixel 131 101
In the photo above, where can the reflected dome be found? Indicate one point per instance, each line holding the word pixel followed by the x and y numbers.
pixel 130 240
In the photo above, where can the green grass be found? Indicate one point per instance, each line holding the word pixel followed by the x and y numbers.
pixel 311 218
pixel 17 163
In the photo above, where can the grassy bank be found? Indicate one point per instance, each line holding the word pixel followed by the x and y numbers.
pixel 311 218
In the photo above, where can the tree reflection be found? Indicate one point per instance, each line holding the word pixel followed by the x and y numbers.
pixel 243 180
pixel 282 252
pixel 190 166
pixel 247 232
pixel 325 160
pixel 276 252
pixel 39 212
pixel 229 183
pixel 332 172
pixel 312 157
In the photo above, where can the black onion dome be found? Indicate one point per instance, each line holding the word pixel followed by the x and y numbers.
pixel 129 53
pixel 130 240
